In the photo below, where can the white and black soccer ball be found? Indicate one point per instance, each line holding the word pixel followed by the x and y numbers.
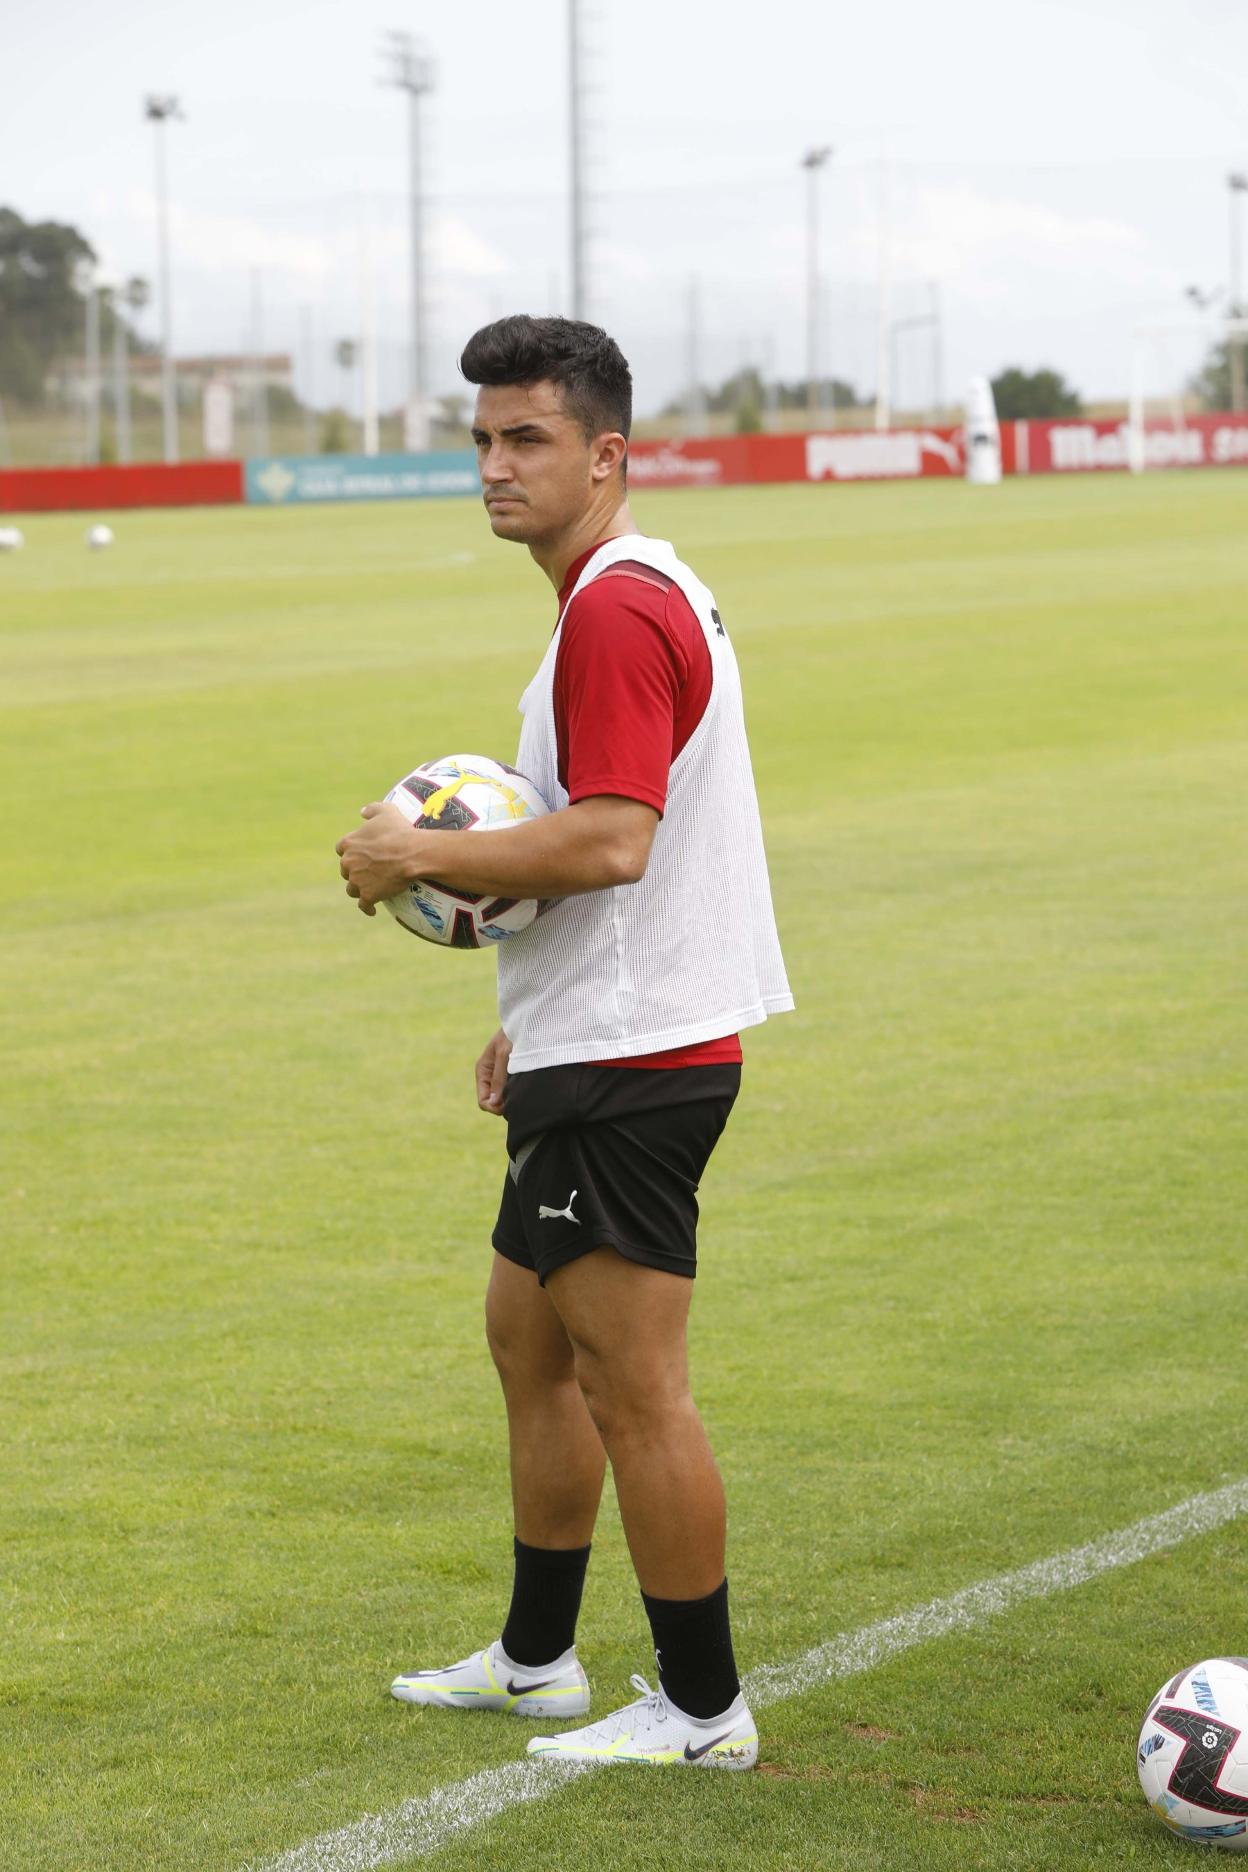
pixel 11 539
pixel 1192 1754
pixel 464 793
pixel 98 537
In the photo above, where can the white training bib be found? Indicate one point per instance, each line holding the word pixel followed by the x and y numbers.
pixel 688 953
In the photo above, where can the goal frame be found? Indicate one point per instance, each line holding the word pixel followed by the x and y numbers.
pixel 1149 340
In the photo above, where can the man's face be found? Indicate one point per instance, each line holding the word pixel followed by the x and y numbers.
pixel 538 472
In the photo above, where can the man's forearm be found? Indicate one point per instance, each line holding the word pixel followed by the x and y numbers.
pixel 556 856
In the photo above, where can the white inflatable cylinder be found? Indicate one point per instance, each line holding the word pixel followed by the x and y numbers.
pixel 983 435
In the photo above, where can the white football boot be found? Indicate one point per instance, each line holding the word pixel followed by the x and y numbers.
pixel 488 1680
pixel 655 1731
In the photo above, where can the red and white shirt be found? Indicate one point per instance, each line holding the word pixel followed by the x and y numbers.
pixel 632 681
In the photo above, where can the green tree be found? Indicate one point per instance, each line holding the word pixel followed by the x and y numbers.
pixel 41 304
pixel 1212 384
pixel 745 396
pixel 1021 395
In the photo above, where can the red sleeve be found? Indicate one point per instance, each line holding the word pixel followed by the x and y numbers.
pixel 620 676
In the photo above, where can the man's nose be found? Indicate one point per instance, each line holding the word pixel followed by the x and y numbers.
pixel 494 464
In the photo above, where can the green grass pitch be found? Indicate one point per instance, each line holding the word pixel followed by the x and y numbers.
pixel 973 1283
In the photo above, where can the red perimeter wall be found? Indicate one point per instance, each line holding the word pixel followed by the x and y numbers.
pixel 1075 446
pixel 142 484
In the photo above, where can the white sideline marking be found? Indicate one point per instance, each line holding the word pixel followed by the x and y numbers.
pixel 416 1828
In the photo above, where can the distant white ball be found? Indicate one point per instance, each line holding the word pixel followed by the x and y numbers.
pixel 11 539
pixel 464 793
pixel 98 537
pixel 1192 1755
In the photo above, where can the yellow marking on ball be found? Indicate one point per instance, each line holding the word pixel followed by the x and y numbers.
pixel 437 803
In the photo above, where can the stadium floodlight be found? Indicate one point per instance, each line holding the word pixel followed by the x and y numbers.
pixel 812 162
pixel 1237 185
pixel 410 69
pixel 159 110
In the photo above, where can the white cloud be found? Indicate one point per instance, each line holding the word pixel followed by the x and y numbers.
pixel 222 242
pixel 961 230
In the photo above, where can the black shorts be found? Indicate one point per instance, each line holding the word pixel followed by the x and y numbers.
pixel 609 1156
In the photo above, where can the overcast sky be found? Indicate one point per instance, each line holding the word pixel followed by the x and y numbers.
pixel 1057 168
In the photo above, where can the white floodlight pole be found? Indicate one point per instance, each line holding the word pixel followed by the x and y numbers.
pixel 369 419
pixel 307 362
pixel 695 400
pixel 158 111
pixel 91 366
pixel 411 70
pixel 938 362
pixel 812 162
pixel 1237 184
pixel 259 378
pixel 121 399
pixel 883 403
pixel 576 155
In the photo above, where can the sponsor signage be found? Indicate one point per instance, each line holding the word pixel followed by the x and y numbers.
pixel 1091 447
pixel 286 480
pixel 839 455
pixel 883 454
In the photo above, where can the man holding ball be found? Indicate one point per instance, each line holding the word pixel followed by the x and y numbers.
pixel 617 1059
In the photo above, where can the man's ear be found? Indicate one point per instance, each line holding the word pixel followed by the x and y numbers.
pixel 609 454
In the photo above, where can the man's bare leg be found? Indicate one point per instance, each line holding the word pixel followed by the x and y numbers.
pixel 626 1325
pixel 557 1457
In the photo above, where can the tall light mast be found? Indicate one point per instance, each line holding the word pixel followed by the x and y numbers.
pixel 812 162
pixel 410 69
pixel 159 110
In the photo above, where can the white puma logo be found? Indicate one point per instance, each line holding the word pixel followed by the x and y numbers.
pixel 548 1215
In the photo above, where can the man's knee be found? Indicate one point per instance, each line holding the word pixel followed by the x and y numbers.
pixel 625 1392
pixel 525 1352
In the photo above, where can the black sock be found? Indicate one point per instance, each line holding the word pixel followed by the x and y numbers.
pixel 693 1644
pixel 545 1600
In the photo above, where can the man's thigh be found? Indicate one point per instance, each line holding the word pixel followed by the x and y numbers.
pixel 523 1324
pixel 630 1319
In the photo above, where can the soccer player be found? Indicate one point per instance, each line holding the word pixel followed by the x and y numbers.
pixel 617 1060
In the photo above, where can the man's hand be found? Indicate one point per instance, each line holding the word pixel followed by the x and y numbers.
pixel 378 860
pixel 492 1074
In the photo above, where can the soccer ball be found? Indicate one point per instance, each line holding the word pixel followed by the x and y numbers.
pixel 11 539
pixel 98 537
pixel 464 793
pixel 1193 1753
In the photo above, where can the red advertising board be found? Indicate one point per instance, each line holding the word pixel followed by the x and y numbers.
pixel 840 455
pixel 833 455
pixel 1075 446
pixel 141 484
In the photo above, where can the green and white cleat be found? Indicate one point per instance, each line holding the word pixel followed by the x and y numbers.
pixel 488 1680
pixel 654 1731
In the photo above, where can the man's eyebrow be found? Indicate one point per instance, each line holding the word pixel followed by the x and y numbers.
pixel 514 429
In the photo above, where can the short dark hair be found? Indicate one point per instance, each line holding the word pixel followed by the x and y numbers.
pixel 588 366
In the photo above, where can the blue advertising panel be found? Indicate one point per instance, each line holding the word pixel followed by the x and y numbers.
pixel 283 480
